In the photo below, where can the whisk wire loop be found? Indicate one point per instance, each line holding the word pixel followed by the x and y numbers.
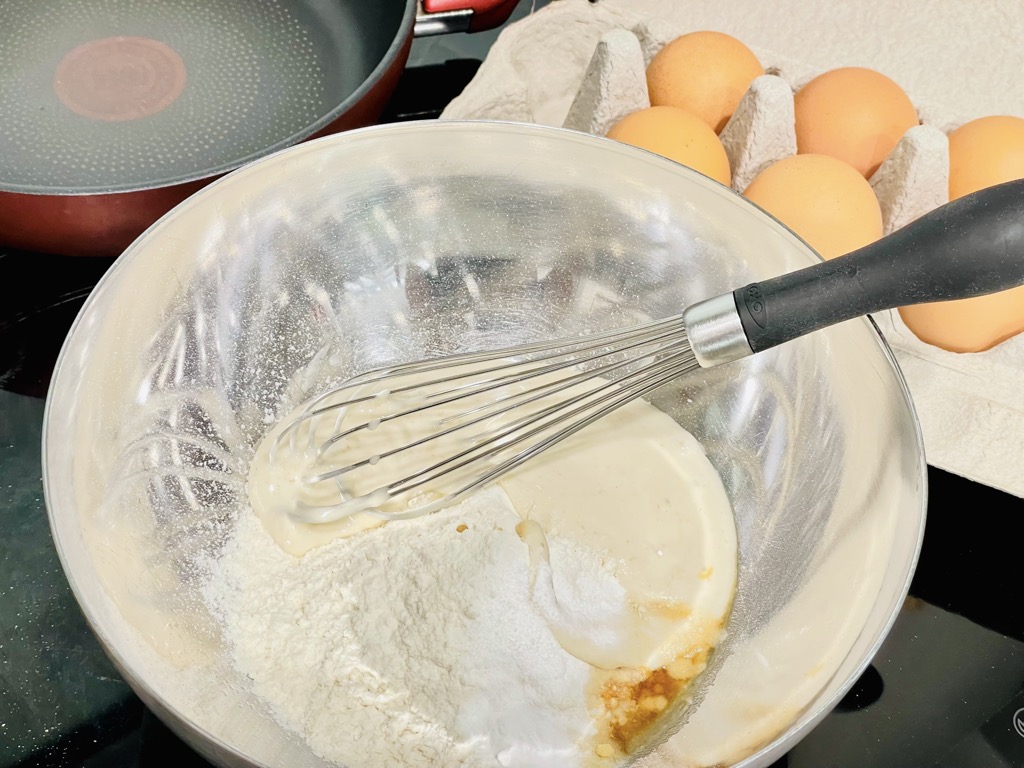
pixel 540 394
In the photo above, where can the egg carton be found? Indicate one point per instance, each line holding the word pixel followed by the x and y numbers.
pixel 971 405
pixel 913 180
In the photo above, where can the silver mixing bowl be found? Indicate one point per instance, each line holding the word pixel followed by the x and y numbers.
pixel 395 243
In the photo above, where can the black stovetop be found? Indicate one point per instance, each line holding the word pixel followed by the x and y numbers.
pixel 946 689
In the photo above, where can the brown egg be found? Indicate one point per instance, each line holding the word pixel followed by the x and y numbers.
pixel 853 114
pixel 825 201
pixel 705 73
pixel 982 153
pixel 677 135
pixel 968 325
pixel 985 152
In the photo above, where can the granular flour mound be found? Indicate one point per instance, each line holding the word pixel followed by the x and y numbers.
pixel 414 644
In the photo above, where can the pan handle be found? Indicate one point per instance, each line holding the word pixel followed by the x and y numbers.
pixel 440 17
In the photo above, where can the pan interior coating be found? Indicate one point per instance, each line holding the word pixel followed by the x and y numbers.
pixel 99 94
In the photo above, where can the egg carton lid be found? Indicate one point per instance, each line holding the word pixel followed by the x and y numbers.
pixel 971 406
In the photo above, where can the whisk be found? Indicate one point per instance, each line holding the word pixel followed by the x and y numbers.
pixel 402 441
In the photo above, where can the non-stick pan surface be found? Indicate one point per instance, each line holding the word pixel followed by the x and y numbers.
pixel 115 95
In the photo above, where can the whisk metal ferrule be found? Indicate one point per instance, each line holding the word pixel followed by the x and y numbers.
pixel 715 331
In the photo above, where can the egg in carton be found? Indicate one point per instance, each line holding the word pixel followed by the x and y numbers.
pixel 912 180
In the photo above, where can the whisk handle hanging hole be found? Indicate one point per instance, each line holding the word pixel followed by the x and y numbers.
pixel 969 247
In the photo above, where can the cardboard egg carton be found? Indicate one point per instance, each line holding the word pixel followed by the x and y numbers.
pixel 971 406
pixel 913 180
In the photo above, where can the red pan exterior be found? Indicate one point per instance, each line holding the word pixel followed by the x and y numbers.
pixel 106 224
pixel 85 225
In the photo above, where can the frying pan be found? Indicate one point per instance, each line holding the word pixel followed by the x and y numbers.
pixel 114 111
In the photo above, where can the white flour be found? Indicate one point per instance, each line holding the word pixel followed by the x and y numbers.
pixel 415 644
